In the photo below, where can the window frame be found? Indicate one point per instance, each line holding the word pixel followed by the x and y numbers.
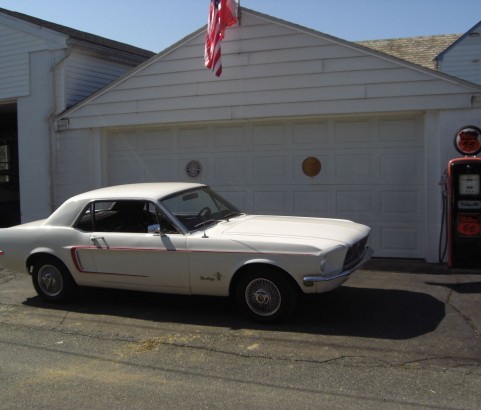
pixel 93 224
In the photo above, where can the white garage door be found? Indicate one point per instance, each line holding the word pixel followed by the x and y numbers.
pixel 371 170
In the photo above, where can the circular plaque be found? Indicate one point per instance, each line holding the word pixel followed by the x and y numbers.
pixel 311 166
pixel 468 140
pixel 193 168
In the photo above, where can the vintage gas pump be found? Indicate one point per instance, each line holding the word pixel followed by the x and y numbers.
pixel 464 201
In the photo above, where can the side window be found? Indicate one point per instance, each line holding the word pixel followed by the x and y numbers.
pixel 94 216
pixel 162 224
pixel 134 216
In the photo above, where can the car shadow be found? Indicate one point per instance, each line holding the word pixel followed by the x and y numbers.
pixel 347 311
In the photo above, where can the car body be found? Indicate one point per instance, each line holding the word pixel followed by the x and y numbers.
pixel 183 238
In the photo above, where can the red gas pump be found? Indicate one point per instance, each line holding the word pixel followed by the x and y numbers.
pixel 464 202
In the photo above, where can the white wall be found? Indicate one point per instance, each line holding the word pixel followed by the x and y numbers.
pixel 463 59
pixel 33 140
pixel 85 74
pixel 15 47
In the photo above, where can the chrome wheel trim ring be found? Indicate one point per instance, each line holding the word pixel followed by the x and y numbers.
pixel 50 280
pixel 263 297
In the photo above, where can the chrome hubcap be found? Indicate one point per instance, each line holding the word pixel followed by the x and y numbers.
pixel 50 280
pixel 263 297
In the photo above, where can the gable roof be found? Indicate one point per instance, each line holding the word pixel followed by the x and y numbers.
pixel 421 50
pixel 81 36
pixel 310 62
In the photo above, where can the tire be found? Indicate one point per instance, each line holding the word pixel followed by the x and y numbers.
pixel 266 295
pixel 52 280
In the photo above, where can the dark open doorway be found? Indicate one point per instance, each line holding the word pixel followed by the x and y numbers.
pixel 9 181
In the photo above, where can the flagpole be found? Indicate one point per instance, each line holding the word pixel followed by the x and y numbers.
pixel 238 12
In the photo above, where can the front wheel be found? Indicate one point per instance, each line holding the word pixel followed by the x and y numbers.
pixel 266 297
pixel 52 280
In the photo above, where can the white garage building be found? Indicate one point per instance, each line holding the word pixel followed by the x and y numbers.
pixel 381 129
pixel 44 69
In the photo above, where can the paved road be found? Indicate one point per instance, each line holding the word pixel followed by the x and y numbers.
pixel 399 334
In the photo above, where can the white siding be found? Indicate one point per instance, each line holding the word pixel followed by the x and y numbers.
pixel 463 60
pixel 270 70
pixel 15 47
pixel 73 165
pixel 85 74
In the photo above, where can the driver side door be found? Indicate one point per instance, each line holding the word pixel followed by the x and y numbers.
pixel 125 248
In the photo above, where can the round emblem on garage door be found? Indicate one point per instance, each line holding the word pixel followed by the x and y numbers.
pixel 193 168
pixel 311 166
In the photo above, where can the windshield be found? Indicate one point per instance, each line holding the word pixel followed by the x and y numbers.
pixel 199 207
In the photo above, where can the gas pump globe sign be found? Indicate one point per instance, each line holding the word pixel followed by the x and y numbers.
pixel 468 140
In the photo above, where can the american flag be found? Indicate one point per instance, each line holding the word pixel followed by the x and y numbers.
pixel 222 14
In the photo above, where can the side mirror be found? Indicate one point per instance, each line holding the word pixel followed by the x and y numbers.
pixel 155 229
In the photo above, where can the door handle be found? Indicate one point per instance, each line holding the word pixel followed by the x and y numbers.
pixel 96 240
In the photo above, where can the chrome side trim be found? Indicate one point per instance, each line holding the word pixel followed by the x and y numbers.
pixel 318 278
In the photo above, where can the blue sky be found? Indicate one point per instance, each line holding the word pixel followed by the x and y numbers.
pixel 156 24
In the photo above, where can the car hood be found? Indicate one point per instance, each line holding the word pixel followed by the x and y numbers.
pixel 313 231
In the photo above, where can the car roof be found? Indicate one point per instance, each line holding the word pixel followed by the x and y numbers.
pixel 66 214
pixel 148 190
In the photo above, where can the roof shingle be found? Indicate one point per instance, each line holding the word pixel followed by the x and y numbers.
pixel 420 50
pixel 81 35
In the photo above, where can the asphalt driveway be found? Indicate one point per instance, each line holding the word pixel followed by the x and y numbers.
pixel 398 334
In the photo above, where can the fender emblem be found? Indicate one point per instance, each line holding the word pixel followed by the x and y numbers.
pixel 212 278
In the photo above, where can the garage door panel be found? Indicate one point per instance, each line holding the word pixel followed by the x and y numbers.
pixel 401 168
pixel 193 138
pixel 400 131
pixel 372 169
pixel 267 136
pixel 310 134
pixel 402 204
pixel 139 156
pixel 239 198
pixel 158 141
pixel 231 170
pixel 354 202
pixel 272 202
pixel 124 172
pixel 311 203
pixel 354 166
pixel 270 169
pixel 134 170
pixel 400 241
pixel 230 138
pixel 347 132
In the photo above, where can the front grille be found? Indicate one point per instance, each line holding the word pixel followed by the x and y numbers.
pixel 355 254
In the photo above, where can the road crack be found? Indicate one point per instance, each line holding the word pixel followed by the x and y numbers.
pixel 464 317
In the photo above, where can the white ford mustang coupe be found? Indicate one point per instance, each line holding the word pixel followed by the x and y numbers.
pixel 183 238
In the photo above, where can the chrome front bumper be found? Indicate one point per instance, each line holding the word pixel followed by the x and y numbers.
pixel 309 280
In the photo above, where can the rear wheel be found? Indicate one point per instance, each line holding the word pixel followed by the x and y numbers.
pixel 52 280
pixel 266 296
